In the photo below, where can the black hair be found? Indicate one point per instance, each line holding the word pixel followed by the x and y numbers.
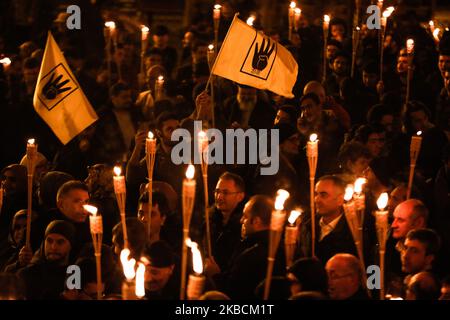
pixel 377 112
pixel 237 179
pixel 163 117
pixel 428 237
pixel 157 198
pixel 69 186
pixel 261 207
pixel 311 96
pixel 117 88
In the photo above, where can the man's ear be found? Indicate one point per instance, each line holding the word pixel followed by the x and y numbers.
pixel 419 222
pixel 241 196
pixel 59 204
pixel 159 133
pixel 429 260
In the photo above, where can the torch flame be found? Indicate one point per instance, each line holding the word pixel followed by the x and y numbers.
pixel 298 11
pixel 282 196
pixel 197 263
pixel 326 18
pixel 382 201
pixel 190 172
pixel 5 61
pixel 91 209
pixel 358 28
pixel 150 135
pixel 387 13
pixel 349 193
pixel 160 78
pixel 436 33
pixel 292 5
pixel 251 20
pixel 211 47
pixel 128 265
pixel 419 133
pixel 410 45
pixel 313 137
pixel 140 280
pixel 359 183
pixel 294 216
pixel 31 141
pixel 117 171
pixel 110 24
pixel 202 135
pixel 145 29
pixel 217 6
pixel 431 23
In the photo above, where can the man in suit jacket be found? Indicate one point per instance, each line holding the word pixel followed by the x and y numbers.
pixel 332 232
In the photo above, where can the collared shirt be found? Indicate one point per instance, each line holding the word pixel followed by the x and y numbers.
pixel 327 228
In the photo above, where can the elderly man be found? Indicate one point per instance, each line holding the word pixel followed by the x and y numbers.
pixel 423 286
pixel 332 232
pixel 45 277
pixel 345 278
pixel 408 215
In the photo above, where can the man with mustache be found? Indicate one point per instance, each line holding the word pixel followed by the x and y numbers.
pixel 45 277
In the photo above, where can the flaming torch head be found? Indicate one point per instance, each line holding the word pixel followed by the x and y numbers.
pixel 313 137
pixel 197 263
pixel 117 171
pixel 436 34
pixel 128 265
pixel 110 24
pixel 251 20
pixel 382 201
pixel 282 196
pixel 359 184
pixel 410 46
pixel 91 209
pixel 348 193
pixel 150 135
pixel 140 280
pixel 292 5
pixel 295 214
pixel 190 172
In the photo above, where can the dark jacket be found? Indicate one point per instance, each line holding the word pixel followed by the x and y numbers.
pixel 249 267
pixel 339 240
pixel 225 238
pixel 43 279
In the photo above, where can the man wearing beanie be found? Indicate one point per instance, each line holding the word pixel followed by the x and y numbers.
pixel 45 277
pixel 161 280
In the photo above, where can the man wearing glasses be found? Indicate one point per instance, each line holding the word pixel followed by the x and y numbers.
pixel 225 217
pixel 344 278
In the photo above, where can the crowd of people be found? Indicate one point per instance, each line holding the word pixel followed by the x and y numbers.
pixel 364 125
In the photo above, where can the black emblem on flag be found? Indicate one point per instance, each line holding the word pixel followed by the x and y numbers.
pixel 55 86
pixel 260 57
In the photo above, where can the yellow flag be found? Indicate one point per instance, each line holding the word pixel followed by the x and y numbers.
pixel 58 97
pixel 251 58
